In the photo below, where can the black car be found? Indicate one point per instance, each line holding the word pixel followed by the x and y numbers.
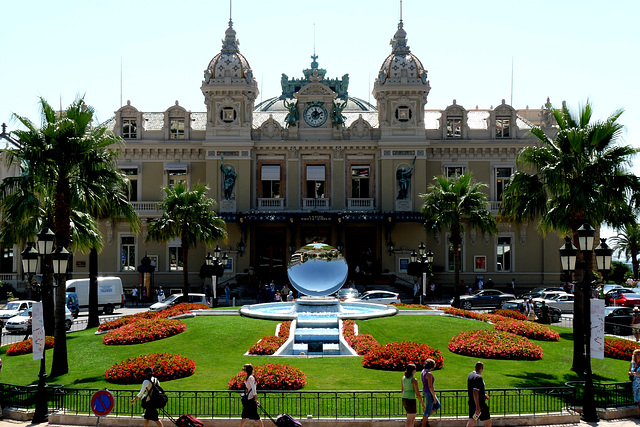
pixel 617 320
pixel 484 298
pixel 536 292
pixel 518 305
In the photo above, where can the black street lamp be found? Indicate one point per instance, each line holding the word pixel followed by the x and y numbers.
pixel 568 253
pixel 215 265
pixel 421 265
pixel 55 262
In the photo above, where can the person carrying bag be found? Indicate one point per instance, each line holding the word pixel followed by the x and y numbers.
pixel 152 397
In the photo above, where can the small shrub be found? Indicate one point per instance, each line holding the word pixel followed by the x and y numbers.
pixel 165 367
pixel 271 343
pixel 534 331
pixel 144 330
pixel 619 348
pixel 26 346
pixel 361 344
pixel 512 314
pixel 396 355
pixel 494 345
pixel 272 377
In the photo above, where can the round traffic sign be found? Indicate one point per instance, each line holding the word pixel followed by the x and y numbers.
pixel 102 403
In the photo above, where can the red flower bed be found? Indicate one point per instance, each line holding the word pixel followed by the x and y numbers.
pixel 184 307
pixel 494 345
pixel 363 343
pixel 421 306
pixel 144 331
pixel 270 344
pixel 396 355
pixel 272 377
pixel 165 367
pixel 26 346
pixel 512 314
pixel 127 319
pixel 467 314
pixel 531 330
pixel 618 348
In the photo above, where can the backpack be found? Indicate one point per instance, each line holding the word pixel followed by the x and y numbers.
pixel 157 397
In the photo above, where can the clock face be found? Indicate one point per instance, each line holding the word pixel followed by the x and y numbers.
pixel 315 114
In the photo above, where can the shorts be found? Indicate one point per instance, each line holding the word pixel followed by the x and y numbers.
pixel 429 404
pixel 409 405
pixel 484 411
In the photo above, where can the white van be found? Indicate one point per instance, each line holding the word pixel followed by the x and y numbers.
pixel 110 293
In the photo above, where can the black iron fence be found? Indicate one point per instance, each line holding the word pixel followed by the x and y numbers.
pixel 319 404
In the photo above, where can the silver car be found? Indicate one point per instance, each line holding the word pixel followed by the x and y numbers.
pixel 380 297
pixel 22 322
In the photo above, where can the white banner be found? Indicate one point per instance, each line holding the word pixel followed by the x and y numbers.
pixel 37 327
pixel 597 328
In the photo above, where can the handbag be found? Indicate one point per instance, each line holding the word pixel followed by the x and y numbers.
pixel 244 398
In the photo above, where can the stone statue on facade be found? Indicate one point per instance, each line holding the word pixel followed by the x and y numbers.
pixel 403 177
pixel 292 115
pixel 229 180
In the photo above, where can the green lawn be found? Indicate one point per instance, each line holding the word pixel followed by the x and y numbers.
pixel 217 344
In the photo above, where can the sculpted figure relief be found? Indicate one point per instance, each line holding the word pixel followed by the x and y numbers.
pixel 403 177
pixel 229 180
pixel 292 116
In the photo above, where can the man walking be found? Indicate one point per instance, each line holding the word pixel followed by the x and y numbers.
pixel 478 408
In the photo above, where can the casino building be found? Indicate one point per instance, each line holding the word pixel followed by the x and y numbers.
pixel 318 164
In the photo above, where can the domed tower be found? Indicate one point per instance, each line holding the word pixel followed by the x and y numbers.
pixel 230 91
pixel 401 90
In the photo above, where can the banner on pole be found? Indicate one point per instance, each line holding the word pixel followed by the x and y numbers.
pixel 597 328
pixel 37 331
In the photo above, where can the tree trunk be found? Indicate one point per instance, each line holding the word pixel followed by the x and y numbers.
pixel 94 319
pixel 185 270
pixel 455 239
pixel 634 263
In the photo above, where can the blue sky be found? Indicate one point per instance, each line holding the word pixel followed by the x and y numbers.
pixel 566 50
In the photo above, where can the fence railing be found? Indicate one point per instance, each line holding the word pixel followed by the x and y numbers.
pixel 320 404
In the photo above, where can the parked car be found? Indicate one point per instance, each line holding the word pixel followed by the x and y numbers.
pixel 380 297
pixel 518 305
pixel 22 322
pixel 607 288
pixel 484 298
pixel 563 302
pixel 617 320
pixel 346 294
pixel 622 298
pixel 536 292
pixel 177 299
pixel 13 308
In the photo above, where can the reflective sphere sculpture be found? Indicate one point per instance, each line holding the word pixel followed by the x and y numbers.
pixel 317 269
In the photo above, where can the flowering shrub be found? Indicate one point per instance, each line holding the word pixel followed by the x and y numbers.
pixel 125 320
pixel 494 345
pixel 468 314
pixel 512 314
pixel 615 348
pixel 270 344
pixel 421 306
pixel 165 367
pixel 144 330
pixel 396 355
pixel 26 346
pixel 272 377
pixel 178 309
pixel 530 330
pixel 363 343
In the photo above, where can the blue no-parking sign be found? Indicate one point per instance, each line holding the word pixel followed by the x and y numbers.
pixel 102 403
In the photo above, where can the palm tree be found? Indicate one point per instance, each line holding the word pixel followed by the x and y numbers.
pixel 450 204
pixel 57 160
pixel 188 215
pixel 581 175
pixel 627 242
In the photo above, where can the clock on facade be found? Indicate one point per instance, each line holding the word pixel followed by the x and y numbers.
pixel 315 114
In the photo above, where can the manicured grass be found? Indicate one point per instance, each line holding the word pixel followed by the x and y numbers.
pixel 218 344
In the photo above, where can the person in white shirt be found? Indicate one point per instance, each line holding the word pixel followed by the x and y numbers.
pixel 150 414
pixel 250 402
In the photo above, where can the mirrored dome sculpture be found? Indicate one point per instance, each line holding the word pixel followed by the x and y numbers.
pixel 317 269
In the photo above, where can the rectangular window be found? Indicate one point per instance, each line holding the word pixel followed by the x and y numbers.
pixel 315 181
pixel 502 127
pixel 176 263
pixel 503 254
pixel 128 247
pixel 132 176
pixel 454 127
pixel 453 171
pixel 177 129
pixel 503 175
pixel 129 129
pixel 270 177
pixel 360 182
pixel 451 259
pixel 6 263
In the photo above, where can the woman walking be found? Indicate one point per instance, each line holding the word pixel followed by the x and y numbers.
pixel 250 400
pixel 431 402
pixel 150 413
pixel 634 374
pixel 410 391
